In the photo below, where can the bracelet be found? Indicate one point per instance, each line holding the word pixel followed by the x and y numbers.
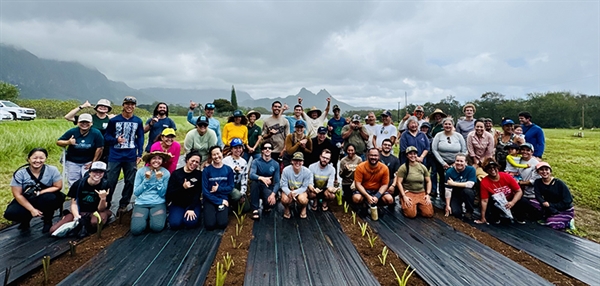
pixel 80 108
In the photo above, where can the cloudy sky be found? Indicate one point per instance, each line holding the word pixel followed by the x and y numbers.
pixel 362 52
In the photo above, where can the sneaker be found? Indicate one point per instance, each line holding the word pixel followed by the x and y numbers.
pixel 520 221
pixel 498 221
pixel 571 225
pixel 46 227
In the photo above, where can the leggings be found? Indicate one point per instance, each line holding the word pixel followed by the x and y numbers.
pixel 214 218
pixel 148 215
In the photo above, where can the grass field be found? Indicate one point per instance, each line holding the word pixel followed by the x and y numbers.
pixel 573 159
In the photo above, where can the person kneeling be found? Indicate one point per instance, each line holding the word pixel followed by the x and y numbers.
pixel 294 182
pixel 217 184
pixel 321 188
pixel 460 180
pixel 409 179
pixel 371 179
pixel 88 195
pixel 150 188
pixel 183 193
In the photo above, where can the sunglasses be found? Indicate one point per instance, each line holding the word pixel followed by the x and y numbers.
pixel 209 106
pixel 449 142
pixel 130 99
pixel 267 148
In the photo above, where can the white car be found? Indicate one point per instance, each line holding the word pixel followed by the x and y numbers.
pixel 17 112
pixel 5 115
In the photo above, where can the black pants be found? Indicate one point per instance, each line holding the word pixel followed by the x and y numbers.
pixel 47 203
pixel 258 191
pixel 441 172
pixel 519 210
pixel 214 218
pixel 460 196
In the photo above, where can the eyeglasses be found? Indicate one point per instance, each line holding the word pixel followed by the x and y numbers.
pixel 449 142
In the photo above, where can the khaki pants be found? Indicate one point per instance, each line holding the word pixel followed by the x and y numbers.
pixel 418 201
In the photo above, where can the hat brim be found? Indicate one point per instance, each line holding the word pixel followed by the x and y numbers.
pixel 319 112
pixel 148 156
pixel 109 107
pixel 255 113
pixel 101 170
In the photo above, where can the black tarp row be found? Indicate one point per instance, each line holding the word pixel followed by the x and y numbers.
pixel 312 251
pixel 165 258
pixel 444 256
pixel 574 256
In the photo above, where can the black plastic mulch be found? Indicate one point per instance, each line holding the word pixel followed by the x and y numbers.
pixel 312 251
pixel 444 256
pixel 575 256
pixel 165 258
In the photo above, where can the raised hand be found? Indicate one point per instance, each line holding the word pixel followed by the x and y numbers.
pixel 86 104
pixel 72 140
pixel 102 193
pixel 159 175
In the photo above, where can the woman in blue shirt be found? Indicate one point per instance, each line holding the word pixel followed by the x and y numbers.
pixel 217 183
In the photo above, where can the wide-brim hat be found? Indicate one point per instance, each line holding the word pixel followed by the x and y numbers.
pixel 165 157
pixel 469 105
pixel 103 102
pixel 314 109
pixel 253 112
pixel 437 111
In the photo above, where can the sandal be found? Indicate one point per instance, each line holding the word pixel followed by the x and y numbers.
pixel 255 215
pixel 325 207
pixel 314 206
pixel 287 215
pixel 303 215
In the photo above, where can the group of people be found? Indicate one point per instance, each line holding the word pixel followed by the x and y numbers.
pixel 293 159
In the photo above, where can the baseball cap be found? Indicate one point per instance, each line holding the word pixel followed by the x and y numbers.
pixel 526 145
pixel 542 164
pixel 298 156
pixel 300 123
pixel 336 107
pixel 488 163
pixel 355 118
pixel 98 166
pixel 85 117
pixel 386 113
pixel 168 131
pixel 419 108
pixel 507 121
pixel 238 113
pixel 411 149
pixel 209 106
pixel 202 120
pixel 322 130
pixel 236 142
pixel 129 99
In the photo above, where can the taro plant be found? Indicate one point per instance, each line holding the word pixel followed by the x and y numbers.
pixel 403 281
pixel 73 247
pixel 234 243
pixel 238 229
pixel 383 255
pixel 353 217
pixel 240 218
pixel 221 274
pixel 346 207
pixel 228 261
pixel 371 239
pixel 338 196
pixel 46 266
pixel 240 208
pixel 363 228
pixel 100 224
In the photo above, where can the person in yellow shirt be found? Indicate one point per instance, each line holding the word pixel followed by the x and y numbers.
pixel 235 128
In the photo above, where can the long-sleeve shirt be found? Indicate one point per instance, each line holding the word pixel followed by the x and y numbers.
pixel 480 147
pixel 445 147
pixel 222 176
pixel 213 124
pixel 420 141
pixel 262 168
pixel 180 196
pixel 174 149
pixel 535 135
pixel 556 193
pixel 201 143
pixel 230 131
pixel 132 130
pixel 290 181
pixel 464 127
pixel 240 177
pixel 292 145
pixel 150 191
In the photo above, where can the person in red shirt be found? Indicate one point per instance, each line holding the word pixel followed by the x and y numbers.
pixel 496 182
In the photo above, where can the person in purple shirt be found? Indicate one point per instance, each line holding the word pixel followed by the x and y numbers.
pixel 413 137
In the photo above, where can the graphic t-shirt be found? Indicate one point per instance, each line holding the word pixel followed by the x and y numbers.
pixel 336 133
pixel 85 149
pixel 385 132
pixel 322 178
pixel 347 168
pixel 506 184
pixel 253 133
pixel 132 130
pixel 97 122
pixel 85 194
pixel 280 125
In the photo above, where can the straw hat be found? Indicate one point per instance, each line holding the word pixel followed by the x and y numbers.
pixel 148 156
pixel 253 112
pixel 314 109
pixel 437 111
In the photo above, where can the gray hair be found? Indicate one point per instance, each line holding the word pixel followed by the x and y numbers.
pixel 448 118
pixel 412 118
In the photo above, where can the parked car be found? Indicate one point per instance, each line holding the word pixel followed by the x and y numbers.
pixel 20 113
pixel 5 115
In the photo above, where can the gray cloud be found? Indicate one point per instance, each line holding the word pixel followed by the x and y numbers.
pixel 361 52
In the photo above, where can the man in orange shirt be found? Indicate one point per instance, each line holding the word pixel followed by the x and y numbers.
pixel 371 179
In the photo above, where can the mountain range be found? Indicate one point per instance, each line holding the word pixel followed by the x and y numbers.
pixel 43 78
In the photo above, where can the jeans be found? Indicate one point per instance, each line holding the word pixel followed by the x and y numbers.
pixel 460 196
pixel 213 217
pixel 75 171
pixel 177 219
pixel 129 170
pixel 258 190
pixel 152 215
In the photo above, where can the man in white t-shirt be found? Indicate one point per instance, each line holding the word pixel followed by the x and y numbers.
pixel 387 130
pixel 314 118
pixel 371 128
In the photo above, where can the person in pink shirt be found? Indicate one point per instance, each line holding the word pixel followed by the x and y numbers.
pixel 480 144
pixel 166 143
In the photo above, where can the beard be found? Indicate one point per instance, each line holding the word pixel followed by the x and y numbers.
pixel 162 112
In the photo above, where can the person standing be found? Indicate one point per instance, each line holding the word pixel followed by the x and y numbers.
pixel 414 137
pixel 466 124
pixel 460 182
pixel 84 146
pixel 489 127
pixel 386 130
pixel 275 130
pixel 419 113
pixel 213 123
pixel 533 134
pixel 480 144
pixel 314 118
pixel 254 136
pixel 236 128
pixel 264 175
pixel 371 125
pixel 200 139
pixel 125 135
pixel 321 188
pixel 99 120
pixel 334 128
pixel 159 121
pixel 217 184
pixel 295 180
pixel 356 134
pixel 297 116
pixel 445 146
pixel 435 119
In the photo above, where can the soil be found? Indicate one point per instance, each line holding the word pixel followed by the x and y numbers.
pixel 235 275
pixel 536 266
pixel 87 248
pixel 384 273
